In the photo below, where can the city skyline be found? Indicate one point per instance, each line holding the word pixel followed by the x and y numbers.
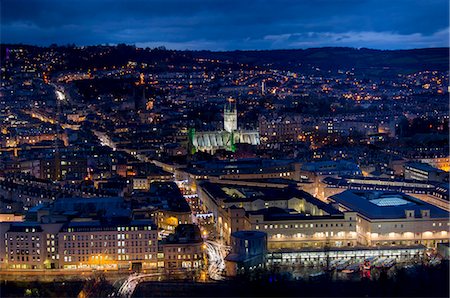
pixel 194 148
pixel 229 25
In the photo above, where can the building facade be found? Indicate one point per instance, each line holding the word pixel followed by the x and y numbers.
pixel 395 219
pixel 184 250
pixel 211 141
pixel 110 246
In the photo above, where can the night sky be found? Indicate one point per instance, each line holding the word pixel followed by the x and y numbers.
pixel 228 25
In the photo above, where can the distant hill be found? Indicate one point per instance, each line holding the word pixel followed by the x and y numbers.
pixel 365 62
pixel 402 61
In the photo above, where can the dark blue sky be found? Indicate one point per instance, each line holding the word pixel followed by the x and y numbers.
pixel 230 24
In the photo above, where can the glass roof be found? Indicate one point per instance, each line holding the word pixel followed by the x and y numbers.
pixel 389 201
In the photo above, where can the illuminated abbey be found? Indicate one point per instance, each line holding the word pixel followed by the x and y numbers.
pixel 210 141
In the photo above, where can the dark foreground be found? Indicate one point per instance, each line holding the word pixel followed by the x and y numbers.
pixel 420 282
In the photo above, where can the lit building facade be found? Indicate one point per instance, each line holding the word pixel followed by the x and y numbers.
pixel 287 231
pixel 29 245
pixel 184 250
pixel 424 172
pixel 81 245
pixel 293 219
pixel 395 219
pixel 210 141
pixel 111 246
pixel 283 129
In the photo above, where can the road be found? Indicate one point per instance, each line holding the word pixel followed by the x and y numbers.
pixel 216 259
pixel 126 290
pixel 105 140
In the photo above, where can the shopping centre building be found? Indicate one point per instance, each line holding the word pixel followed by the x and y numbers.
pixel 293 219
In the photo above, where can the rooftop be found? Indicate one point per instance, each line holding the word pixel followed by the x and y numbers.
pixel 88 224
pixel 241 166
pixel 110 206
pixel 169 197
pixel 424 167
pixel 385 205
pixel 278 214
pixel 249 234
pixel 185 233
pixel 331 166
pixel 230 194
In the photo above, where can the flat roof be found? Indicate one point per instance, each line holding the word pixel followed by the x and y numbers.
pixel 278 214
pixel 242 193
pixel 89 223
pixel 249 234
pixel 385 205
pixel 424 167
pixel 23 226
pixel 241 166
pixel 330 165
pixel 167 196
pixel 113 206
pixel 387 184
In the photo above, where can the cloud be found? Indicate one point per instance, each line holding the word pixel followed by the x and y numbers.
pixel 385 40
pixel 194 45
pixel 226 24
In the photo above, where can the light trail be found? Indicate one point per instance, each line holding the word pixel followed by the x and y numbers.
pixel 126 290
pixel 216 259
pixel 104 139
pixel 60 95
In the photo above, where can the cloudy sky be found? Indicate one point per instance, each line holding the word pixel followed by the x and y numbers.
pixel 229 24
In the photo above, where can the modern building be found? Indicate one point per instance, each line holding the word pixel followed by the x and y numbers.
pixel 314 172
pixel 431 192
pixel 331 168
pixel 424 172
pixel 294 219
pixel 393 218
pixel 291 218
pixel 248 252
pixel 242 169
pixel 324 256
